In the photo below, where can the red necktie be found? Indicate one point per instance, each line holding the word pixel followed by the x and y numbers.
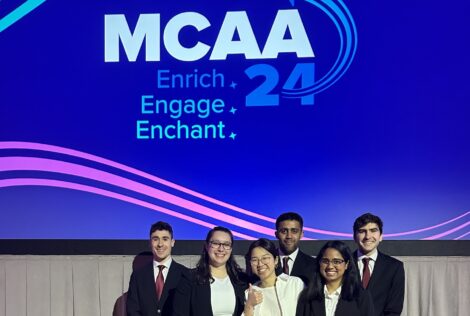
pixel 285 266
pixel 365 272
pixel 159 282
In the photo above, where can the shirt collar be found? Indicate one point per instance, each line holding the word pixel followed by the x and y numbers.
pixel 337 292
pixel 292 256
pixel 166 263
pixel 373 256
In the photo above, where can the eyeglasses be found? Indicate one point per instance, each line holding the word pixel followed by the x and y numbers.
pixel 335 262
pixel 264 260
pixel 284 231
pixel 217 244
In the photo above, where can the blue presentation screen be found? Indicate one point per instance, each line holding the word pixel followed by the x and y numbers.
pixel 118 114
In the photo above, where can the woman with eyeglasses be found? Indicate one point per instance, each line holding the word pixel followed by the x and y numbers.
pixel 335 289
pixel 272 295
pixel 217 285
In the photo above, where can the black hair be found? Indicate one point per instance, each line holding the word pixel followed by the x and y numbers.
pixel 203 272
pixel 161 226
pixel 264 243
pixel 365 219
pixel 351 285
pixel 289 216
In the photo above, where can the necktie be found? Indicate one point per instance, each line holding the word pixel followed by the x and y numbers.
pixel 365 272
pixel 159 282
pixel 285 265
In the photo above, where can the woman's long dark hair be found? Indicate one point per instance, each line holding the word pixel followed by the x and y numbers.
pixel 203 272
pixel 351 285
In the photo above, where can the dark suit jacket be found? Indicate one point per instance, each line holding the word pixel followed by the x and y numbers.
pixel 194 299
pixel 387 285
pixel 142 294
pixel 304 267
pixel 362 306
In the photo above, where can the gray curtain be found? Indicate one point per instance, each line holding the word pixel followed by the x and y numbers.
pixel 96 285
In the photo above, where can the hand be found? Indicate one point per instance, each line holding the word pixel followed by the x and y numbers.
pixel 254 297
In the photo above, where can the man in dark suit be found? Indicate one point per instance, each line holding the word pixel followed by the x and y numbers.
pixel 289 231
pixel 151 288
pixel 382 275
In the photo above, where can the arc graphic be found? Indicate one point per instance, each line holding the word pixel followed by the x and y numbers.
pixel 344 23
pixel 188 204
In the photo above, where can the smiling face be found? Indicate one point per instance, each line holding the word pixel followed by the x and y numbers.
pixel 161 243
pixel 289 234
pixel 263 264
pixel 219 248
pixel 332 266
pixel 368 238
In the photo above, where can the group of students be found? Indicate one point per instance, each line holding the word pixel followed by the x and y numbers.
pixel 280 281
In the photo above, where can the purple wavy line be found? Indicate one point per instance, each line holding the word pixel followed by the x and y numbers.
pixel 79 154
pixel 107 162
pixel 447 232
pixel 49 165
pixel 462 236
pixel 117 196
pixel 427 228
pixel 104 161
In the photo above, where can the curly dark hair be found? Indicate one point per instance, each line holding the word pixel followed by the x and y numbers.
pixel 202 271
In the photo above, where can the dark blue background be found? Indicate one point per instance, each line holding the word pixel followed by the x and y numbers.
pixel 390 137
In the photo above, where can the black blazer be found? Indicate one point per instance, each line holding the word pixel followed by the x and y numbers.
pixel 362 306
pixel 142 294
pixel 304 267
pixel 194 299
pixel 387 285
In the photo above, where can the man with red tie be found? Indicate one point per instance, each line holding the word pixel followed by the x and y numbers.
pixel 289 231
pixel 151 288
pixel 382 275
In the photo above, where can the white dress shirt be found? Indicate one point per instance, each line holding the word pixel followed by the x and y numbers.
pixel 223 299
pixel 166 263
pixel 373 259
pixel 280 299
pixel 292 258
pixel 331 301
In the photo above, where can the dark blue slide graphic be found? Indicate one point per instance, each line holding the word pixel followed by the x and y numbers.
pixel 117 114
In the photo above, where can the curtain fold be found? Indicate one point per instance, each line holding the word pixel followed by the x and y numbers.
pixel 96 285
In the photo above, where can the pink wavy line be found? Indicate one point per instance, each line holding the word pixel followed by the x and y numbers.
pixel 42 164
pixel 80 154
pixel 447 232
pixel 428 228
pixel 117 196
pixel 462 236
pixel 75 153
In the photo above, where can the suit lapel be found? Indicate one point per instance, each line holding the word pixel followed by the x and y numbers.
pixel 319 307
pixel 170 283
pixel 150 284
pixel 379 270
pixel 298 264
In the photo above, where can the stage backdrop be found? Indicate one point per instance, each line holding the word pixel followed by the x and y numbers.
pixel 117 114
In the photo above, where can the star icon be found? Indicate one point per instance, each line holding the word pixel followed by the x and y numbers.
pixel 233 135
pixel 233 85
pixel 233 110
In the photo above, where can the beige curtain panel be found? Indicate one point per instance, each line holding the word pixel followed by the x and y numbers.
pixel 96 285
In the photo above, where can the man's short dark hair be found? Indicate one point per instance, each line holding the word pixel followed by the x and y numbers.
pixel 365 219
pixel 161 226
pixel 289 216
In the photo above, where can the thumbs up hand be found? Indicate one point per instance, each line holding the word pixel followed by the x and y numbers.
pixel 255 297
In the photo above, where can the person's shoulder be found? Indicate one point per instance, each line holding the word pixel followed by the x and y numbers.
pixel 306 257
pixel 290 279
pixel 178 266
pixel 143 269
pixel 389 259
